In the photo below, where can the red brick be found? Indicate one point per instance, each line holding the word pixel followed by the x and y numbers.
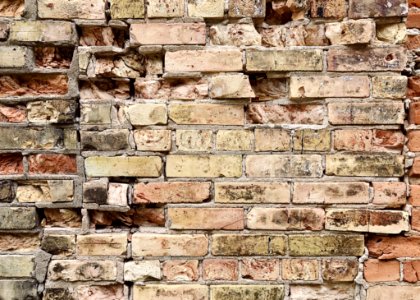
pixel 52 164
pixel 413 85
pixel 414 195
pixel 220 269
pixel 384 247
pixel 260 269
pixel 413 19
pixel 180 270
pixel 378 271
pixel 415 219
pixel 415 169
pixel 414 140
pixel 411 271
pixel 12 114
pixel 414 113
pixel 412 42
pixel 389 194
pixel 11 163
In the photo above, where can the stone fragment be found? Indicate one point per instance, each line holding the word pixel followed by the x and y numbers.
pixel 131 65
pixel 127 9
pixel 59 32
pixel 62 217
pixel 207 114
pixel 100 36
pixel 231 86
pixel 252 192
pixel 104 90
pixel 350 32
pixel 83 270
pixel 153 140
pixel 391 33
pixel 171 192
pixel 7 191
pixel 234 35
pixel 294 35
pixel 203 166
pixel 93 292
pixel 45 191
pixel 131 166
pixel 142 270
pixel 151 244
pixel 107 140
pixel 180 270
pixel 59 244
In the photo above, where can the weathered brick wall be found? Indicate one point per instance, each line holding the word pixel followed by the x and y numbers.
pixel 209 150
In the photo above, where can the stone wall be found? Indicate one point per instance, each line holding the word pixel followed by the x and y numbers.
pixel 209 149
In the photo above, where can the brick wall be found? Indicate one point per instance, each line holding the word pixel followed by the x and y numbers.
pixel 209 149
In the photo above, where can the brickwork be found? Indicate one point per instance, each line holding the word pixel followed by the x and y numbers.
pixel 209 149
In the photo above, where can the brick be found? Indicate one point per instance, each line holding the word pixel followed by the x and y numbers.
pixel 247 292
pixel 42 32
pixel 414 198
pixel 168 34
pixel 51 111
pixel 17 218
pixel 204 166
pixel 131 65
pixel 180 89
pixel 411 271
pixel 234 35
pixel 252 192
pixel 165 8
pixel 83 270
pixel 239 245
pixel 383 247
pixel 7 191
pixel 53 57
pixel 300 269
pixel 52 164
pixel 413 140
pixel 17 266
pixel 206 114
pixel 33 85
pixel 12 57
pixel 324 86
pixel 4 30
pixel 12 8
pixel 149 244
pixel 383 291
pixel 142 270
pixel 347 220
pixel 59 244
pixel 153 140
pixel 339 270
pixel 206 8
pixel 19 242
pixel 113 244
pixel 350 32
pixel 33 138
pixel 171 192
pixel 272 139
pixel 180 270
pixel 312 140
pixel 118 194
pixel 301 35
pixel 220 269
pixel 76 9
pixel 415 219
pixel 95 113
pixel 274 166
pixel 375 59
pixel 146 114
pixel 391 33
pixel 247 8
pixel 285 218
pixel 365 165
pixel 127 9
pixel 104 90
pixel 234 140
pixel 377 271
pixel 209 60
pixel 366 113
pixel 194 140
pixel 389 87
pixel 326 245
pixel 414 113
pixel 283 60
pixel 231 86
pixel 86 292
pixel 12 114
pixel 18 289
pixel 389 222
pixel 389 194
pixel 372 8
pixel 412 42
pixel 11 163
pixel 342 291
pixel 132 166
pixel 107 140
pixel 45 191
pixel 206 218
pixel 62 217
pixel 168 292
pixel 260 269
pixel 329 9
pixel 269 88
pixel 285 114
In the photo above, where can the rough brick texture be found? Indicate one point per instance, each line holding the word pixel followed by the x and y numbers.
pixel 209 149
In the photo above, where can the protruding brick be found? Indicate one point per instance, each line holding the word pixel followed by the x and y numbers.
pixel 389 87
pixel 231 86
pixel 59 244
pixel 12 57
pixel 146 114
pixel 377 271
pixel 107 140
pixel 252 192
pixel 142 270
pixel 131 166
pixel 45 191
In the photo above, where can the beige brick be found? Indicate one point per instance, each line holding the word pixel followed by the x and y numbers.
pixel 12 56
pixel 285 219
pixel 230 86
pixel 389 194
pixel 350 32
pixel 121 9
pixel 168 34
pixel 153 140
pixel 234 35
pixel 273 166
pixel 337 269
pixel 247 8
pixel 252 192
pixel 171 292
pixel 392 33
pixel 204 166
pixel 17 266
pixel 18 289
pixel 171 192
pixel 206 218
pixel 311 140
pixel 107 140
pixel 83 270
pixel 366 113
pixel 336 9
pixel 389 87
pixel 30 138
pixel 59 244
pixel 17 218
pixel 75 9
pixel 283 60
pixel 206 8
pixel 42 31
pixel 207 114
pixel 194 140
pixel 323 86
pixel 376 59
pixel 151 244
pixel 246 292
pixel 365 165
pixel 260 268
pixel 331 192
pixel 272 140
pixel 388 221
pixel 239 245
pixel 132 166
pixel 146 114
pixel 337 291
pixel 98 113
pixel 220 269
pixel 300 269
pixel 180 270
pixel 45 191
pixel 234 140
pixel 384 291
pixel 208 60
pixel 326 245
pixel 165 8
pixel 347 220
pixel 112 244
pixel 381 8
pixel 142 270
